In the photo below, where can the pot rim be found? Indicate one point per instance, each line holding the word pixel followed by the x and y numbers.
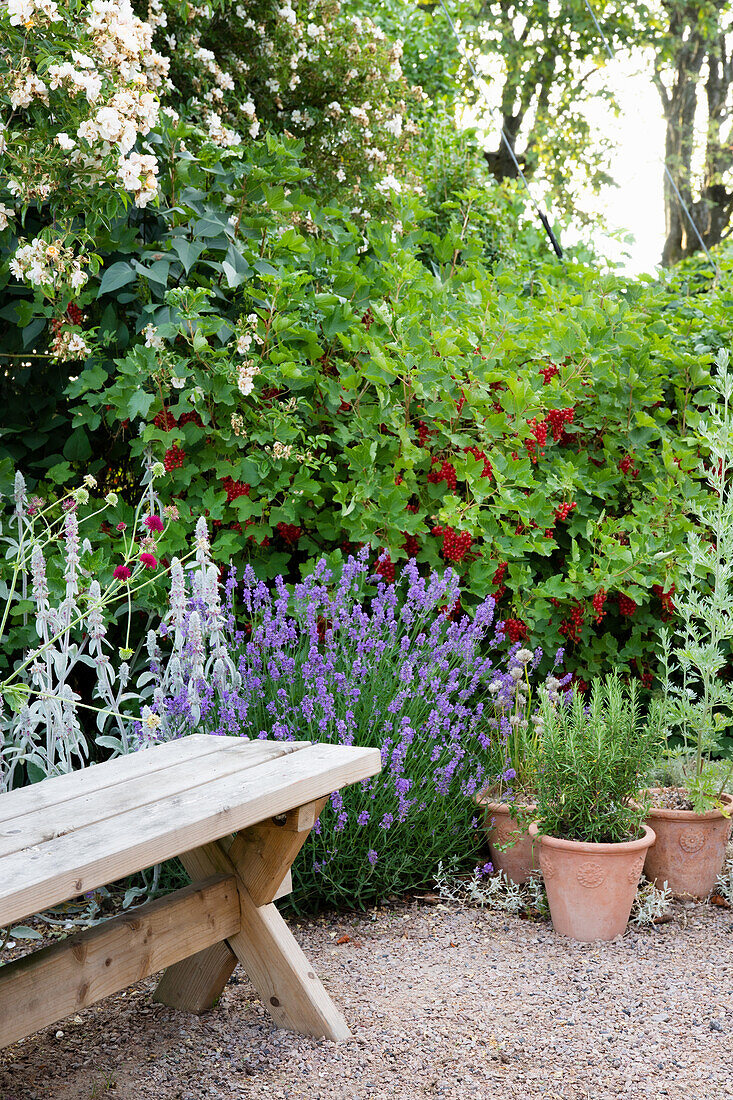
pixel 637 845
pixel 488 803
pixel 666 814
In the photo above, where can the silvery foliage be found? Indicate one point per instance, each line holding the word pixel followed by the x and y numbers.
pixel 650 904
pixel 499 893
pixel 724 883
pixel 698 703
pixel 195 629
pixel 41 732
pixel 493 892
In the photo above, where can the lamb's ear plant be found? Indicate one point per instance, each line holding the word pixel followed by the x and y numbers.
pixel 698 703
pixel 594 759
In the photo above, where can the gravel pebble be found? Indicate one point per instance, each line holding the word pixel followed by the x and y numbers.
pixel 451 1003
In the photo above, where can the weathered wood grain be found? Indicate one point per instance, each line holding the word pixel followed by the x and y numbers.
pixel 42 988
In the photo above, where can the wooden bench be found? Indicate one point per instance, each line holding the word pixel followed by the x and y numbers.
pixel 235 812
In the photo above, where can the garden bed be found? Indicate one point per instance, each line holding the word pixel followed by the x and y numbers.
pixel 443 1002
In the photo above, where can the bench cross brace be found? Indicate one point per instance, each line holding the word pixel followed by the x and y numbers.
pixel 259 858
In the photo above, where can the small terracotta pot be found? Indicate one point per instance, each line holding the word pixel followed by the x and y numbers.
pixel 591 887
pixel 512 849
pixel 690 850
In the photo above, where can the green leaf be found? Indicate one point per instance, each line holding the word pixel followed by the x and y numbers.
pixel 23 932
pixel 119 274
pixel 77 447
pixel 188 252
pixel 139 404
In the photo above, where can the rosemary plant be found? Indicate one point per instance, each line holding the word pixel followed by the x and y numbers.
pixel 593 761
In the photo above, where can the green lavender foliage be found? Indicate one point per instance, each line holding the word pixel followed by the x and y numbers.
pixel 593 761
pixel 698 703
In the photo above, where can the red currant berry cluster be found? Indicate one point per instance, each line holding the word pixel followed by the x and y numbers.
pixel 668 607
pixel 344 407
pixel 424 432
pixel 459 406
pixel 539 431
pixel 446 472
pixel 174 458
pixel 190 418
pixel 548 373
pixel 367 319
pixel 556 419
pixel 289 532
pixel 455 545
pixel 498 576
pixel 74 314
pixel 411 546
pixel 563 510
pixel 234 488
pixel 165 420
pixel 572 627
pixel 626 606
pixel 647 678
pixel 626 466
pixel 599 601
pixel 513 629
pixel 488 470
pixel 385 567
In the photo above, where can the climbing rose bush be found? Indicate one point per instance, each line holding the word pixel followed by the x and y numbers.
pixel 307 68
pixel 79 85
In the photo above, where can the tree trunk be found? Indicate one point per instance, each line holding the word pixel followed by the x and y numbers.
pixel 711 212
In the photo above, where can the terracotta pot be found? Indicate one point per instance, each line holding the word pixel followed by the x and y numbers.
pixel 511 847
pixel 690 850
pixel 591 887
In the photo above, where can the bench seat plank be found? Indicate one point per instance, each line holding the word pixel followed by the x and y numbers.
pixel 42 825
pixel 92 856
pixel 97 777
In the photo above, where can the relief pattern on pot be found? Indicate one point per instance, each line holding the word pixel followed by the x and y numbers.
pixel 636 868
pixel 590 874
pixel 548 866
pixel 505 833
pixel 692 840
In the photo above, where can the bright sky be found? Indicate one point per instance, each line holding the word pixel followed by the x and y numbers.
pixel 635 206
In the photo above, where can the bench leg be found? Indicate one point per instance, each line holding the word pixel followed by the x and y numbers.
pixel 195 984
pixel 265 946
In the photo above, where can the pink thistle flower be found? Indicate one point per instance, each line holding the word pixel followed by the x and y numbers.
pixel 154 523
pixel 121 526
pixel 149 561
pixel 121 573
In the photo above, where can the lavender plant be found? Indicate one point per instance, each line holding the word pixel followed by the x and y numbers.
pixel 698 702
pixel 347 659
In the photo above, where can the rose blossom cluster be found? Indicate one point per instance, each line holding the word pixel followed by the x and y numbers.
pixel 48 264
pixel 307 68
pixel 102 93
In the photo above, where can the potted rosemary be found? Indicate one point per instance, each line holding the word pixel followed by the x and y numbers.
pixel 690 809
pixel 593 839
pixel 517 728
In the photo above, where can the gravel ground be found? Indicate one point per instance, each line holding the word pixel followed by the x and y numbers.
pixel 443 1002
